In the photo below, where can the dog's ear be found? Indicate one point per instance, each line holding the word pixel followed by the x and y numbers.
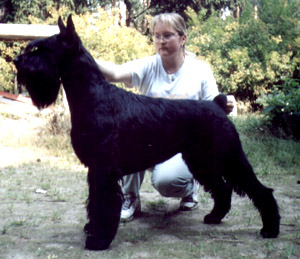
pixel 70 32
pixel 70 29
pixel 221 101
pixel 61 25
pixel 70 25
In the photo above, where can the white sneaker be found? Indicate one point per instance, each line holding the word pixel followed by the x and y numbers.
pixel 190 202
pixel 131 207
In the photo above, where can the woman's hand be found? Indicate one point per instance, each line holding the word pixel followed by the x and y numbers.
pixel 230 104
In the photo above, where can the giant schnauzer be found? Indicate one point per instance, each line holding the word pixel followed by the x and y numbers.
pixel 115 133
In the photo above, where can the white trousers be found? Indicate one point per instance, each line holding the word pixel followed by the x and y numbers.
pixel 171 178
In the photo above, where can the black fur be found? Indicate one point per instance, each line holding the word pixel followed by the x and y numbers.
pixel 115 132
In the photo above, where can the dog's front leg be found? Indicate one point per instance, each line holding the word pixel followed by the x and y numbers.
pixel 103 209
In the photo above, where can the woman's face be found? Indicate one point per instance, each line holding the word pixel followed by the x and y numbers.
pixel 167 40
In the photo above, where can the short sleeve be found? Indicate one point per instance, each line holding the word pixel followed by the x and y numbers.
pixel 209 85
pixel 141 72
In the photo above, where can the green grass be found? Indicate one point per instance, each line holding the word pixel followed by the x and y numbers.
pixel 268 154
pixel 156 205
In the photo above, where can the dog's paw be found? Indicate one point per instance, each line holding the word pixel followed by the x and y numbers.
pixel 96 243
pixel 269 233
pixel 212 219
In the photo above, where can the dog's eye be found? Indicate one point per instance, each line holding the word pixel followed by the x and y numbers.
pixel 30 50
pixel 34 49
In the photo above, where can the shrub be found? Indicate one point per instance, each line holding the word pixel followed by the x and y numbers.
pixel 6 77
pixel 100 33
pixel 8 51
pixel 247 55
pixel 282 108
pixel 106 39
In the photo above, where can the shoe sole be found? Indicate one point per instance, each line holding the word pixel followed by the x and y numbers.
pixel 184 208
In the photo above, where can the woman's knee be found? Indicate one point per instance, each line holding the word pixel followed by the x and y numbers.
pixel 172 177
pixel 164 185
pixel 172 185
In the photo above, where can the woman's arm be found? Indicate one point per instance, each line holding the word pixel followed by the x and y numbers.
pixel 115 73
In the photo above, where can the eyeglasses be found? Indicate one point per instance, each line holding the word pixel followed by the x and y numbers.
pixel 165 37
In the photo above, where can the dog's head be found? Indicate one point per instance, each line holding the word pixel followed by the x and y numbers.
pixel 40 67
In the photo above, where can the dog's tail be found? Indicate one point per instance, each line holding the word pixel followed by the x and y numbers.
pixel 221 101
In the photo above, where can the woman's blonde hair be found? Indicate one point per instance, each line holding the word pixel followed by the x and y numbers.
pixel 170 19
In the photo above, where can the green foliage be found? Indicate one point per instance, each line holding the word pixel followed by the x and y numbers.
pixel 101 35
pixel 211 6
pixel 248 55
pixel 106 39
pixel 5 75
pixel 7 70
pixel 213 40
pixel 19 11
pixel 282 107
pixel 281 17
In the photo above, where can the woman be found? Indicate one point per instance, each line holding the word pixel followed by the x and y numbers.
pixel 171 73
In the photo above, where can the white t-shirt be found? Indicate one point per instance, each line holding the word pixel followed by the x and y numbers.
pixel 194 80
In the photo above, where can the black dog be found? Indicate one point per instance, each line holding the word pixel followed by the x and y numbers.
pixel 115 132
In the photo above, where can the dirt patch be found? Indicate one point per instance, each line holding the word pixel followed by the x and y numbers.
pixel 43 212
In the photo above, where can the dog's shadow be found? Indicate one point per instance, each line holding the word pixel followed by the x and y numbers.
pixel 166 220
pixel 173 226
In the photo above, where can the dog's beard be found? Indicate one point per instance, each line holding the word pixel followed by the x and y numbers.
pixel 43 88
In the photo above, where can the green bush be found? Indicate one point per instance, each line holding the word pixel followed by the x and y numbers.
pixel 8 51
pixel 247 55
pixel 101 34
pixel 106 39
pixel 6 77
pixel 282 108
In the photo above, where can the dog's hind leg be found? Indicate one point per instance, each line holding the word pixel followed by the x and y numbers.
pixel 104 208
pixel 221 193
pixel 264 201
pixel 213 183
pixel 245 182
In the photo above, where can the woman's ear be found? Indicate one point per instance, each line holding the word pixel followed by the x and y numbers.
pixel 183 40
